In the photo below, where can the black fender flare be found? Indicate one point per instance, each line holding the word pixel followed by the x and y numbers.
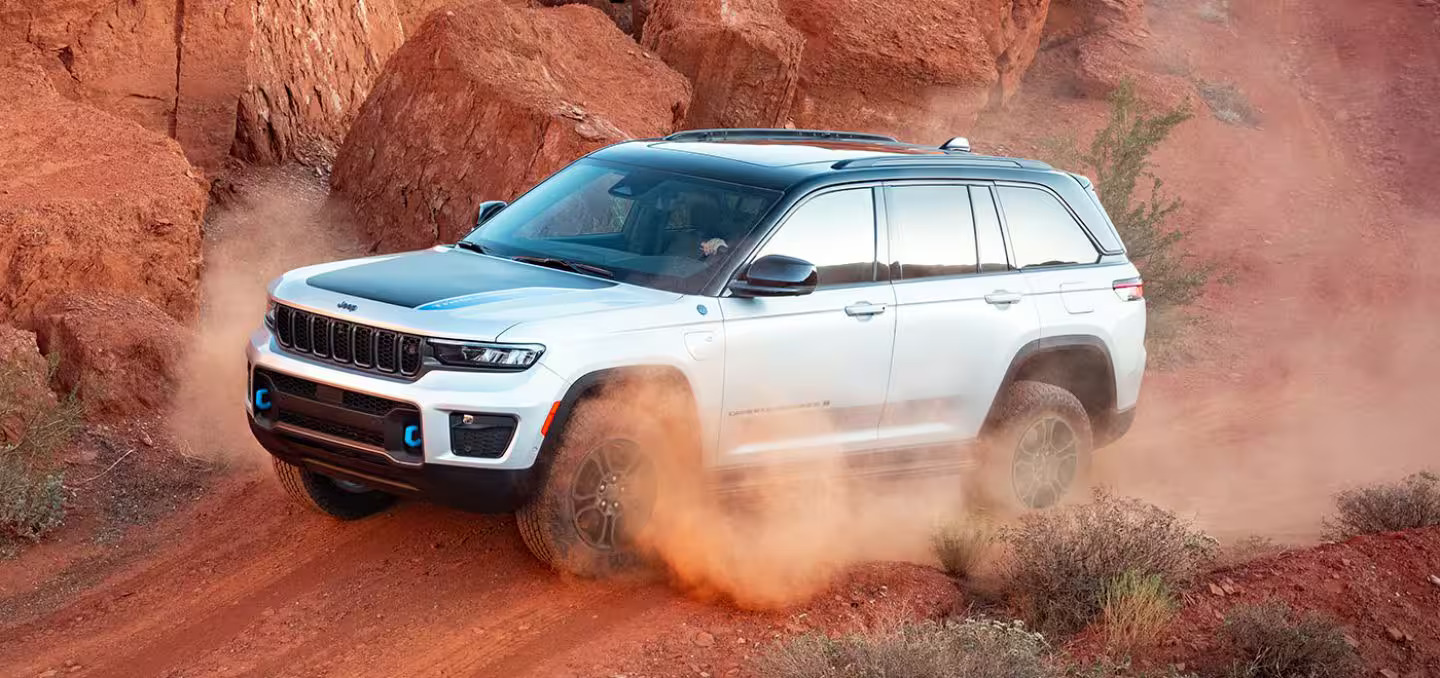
pixel 1049 346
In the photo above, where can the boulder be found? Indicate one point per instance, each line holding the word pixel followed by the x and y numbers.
pixel 923 71
pixel 24 384
pixel 484 102
pixel 1096 44
pixel 741 56
pixel 89 201
pixel 119 355
pixel 629 15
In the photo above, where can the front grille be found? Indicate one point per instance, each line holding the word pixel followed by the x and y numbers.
pixel 350 400
pixel 330 428
pixel 348 343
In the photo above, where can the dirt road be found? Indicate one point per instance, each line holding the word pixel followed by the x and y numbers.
pixel 1313 373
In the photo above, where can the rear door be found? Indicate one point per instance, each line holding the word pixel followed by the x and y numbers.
pixel 807 374
pixel 1072 292
pixel 962 312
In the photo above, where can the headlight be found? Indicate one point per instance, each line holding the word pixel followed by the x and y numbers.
pixel 486 356
pixel 270 314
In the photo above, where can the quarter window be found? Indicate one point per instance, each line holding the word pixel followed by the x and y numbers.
pixel 934 230
pixel 836 232
pixel 1042 231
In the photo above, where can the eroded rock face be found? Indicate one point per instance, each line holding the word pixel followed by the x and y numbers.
pixel 1097 41
pixel 24 389
pixel 274 79
pixel 741 56
pixel 486 101
pixel 89 201
pixel 922 71
pixel 118 354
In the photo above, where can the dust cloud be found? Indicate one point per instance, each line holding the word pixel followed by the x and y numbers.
pixel 276 219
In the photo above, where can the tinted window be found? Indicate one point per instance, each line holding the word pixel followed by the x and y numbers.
pixel 645 226
pixel 834 231
pixel 934 233
pixel 1042 232
pixel 987 231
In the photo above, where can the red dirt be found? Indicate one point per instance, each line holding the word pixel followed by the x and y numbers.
pixel 1371 585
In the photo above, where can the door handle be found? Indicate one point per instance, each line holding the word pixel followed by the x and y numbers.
pixel 1002 298
pixel 864 308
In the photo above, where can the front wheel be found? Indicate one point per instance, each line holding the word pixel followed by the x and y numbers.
pixel 599 492
pixel 336 498
pixel 1037 451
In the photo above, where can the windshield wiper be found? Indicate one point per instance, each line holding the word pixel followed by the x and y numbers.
pixel 565 265
pixel 472 246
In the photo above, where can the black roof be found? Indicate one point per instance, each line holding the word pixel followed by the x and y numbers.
pixel 783 161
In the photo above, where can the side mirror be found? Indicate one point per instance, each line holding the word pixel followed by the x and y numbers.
pixel 488 209
pixel 776 275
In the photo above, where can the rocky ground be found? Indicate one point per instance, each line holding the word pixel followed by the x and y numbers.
pixel 160 161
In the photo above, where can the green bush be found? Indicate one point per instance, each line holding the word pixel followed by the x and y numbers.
pixel 974 648
pixel 1270 641
pixel 31 480
pixel 1065 560
pixel 1411 503
pixel 1118 158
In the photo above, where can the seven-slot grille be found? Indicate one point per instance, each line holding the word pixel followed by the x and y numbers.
pixel 344 342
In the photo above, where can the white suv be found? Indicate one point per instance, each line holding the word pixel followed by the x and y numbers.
pixel 798 292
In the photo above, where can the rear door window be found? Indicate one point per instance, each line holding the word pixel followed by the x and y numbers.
pixel 1042 231
pixel 933 230
pixel 988 239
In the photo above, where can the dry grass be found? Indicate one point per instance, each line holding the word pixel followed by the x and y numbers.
pixel 1065 560
pixel 1411 503
pixel 1271 641
pixel 974 648
pixel 962 546
pixel 1138 608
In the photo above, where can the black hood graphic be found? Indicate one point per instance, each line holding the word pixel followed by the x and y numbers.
pixel 420 278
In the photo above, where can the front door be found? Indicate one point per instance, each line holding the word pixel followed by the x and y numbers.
pixel 807 374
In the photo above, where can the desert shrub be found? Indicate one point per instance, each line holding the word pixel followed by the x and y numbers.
pixel 1137 609
pixel 1063 561
pixel 31 480
pixel 974 648
pixel 1271 641
pixel 1411 503
pixel 961 546
pixel 1118 158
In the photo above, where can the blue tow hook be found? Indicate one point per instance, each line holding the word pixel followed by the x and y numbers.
pixel 412 436
pixel 262 399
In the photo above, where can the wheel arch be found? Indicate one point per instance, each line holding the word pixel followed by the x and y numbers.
pixel 1078 363
pixel 595 384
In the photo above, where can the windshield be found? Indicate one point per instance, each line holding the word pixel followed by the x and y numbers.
pixel 645 226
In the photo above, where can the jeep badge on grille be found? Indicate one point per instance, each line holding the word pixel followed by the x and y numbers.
pixel 347 306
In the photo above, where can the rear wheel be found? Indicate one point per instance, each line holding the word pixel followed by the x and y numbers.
pixel 343 499
pixel 1037 451
pixel 600 491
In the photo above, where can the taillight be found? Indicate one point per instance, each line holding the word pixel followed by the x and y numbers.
pixel 1130 289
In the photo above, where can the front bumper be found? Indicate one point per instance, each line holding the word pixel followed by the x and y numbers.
pixel 432 468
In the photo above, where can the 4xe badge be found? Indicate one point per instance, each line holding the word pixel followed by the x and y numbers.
pixel 345 305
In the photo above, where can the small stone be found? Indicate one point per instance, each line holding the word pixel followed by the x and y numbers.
pixel 1215 589
pixel 702 639
pixel 1435 580
pixel 75 668
pixel 1390 673
pixel 1345 562
pixel 49 674
pixel 1229 587
pixel 1350 640
pixel 1396 634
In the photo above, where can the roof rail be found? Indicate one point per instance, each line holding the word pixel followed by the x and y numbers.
pixel 938 161
pixel 762 133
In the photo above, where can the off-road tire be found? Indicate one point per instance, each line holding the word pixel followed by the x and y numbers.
pixel 320 493
pixel 548 522
pixel 1021 408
